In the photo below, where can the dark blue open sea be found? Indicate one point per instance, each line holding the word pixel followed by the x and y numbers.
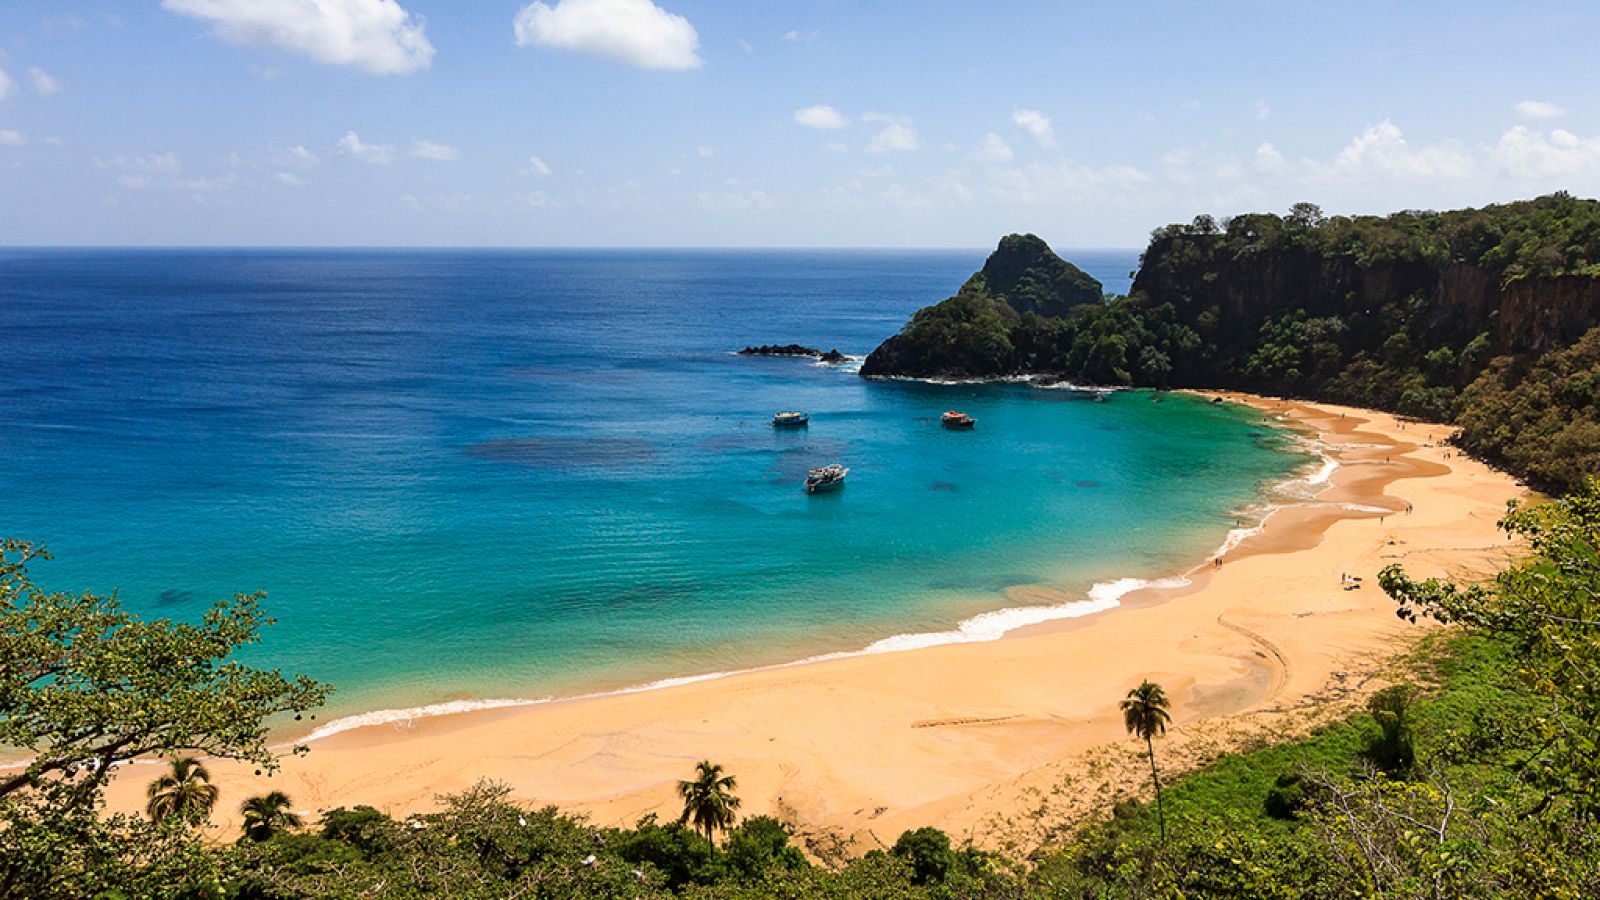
pixel 482 474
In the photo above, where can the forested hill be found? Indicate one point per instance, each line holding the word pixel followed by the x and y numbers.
pixel 1482 317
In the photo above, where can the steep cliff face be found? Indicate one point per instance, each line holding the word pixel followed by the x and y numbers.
pixel 1467 316
pixel 1440 304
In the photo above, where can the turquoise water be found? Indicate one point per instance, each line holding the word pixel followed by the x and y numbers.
pixel 491 474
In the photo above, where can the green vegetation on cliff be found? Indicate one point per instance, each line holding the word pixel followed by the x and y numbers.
pixel 1475 316
pixel 993 324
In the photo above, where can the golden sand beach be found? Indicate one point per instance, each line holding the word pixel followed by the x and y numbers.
pixel 998 741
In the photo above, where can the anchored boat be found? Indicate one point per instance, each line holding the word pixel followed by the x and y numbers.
pixel 953 419
pixel 790 420
pixel 826 478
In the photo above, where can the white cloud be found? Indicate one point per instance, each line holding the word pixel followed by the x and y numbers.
pixel 293 157
pixel 536 166
pixel 134 182
pixel 10 137
pixel 535 200
pixel 736 200
pixel 632 32
pixel 290 179
pixel 1059 182
pixel 43 83
pixel 378 36
pixel 897 135
pixel 820 116
pixel 154 164
pixel 1269 161
pixel 7 84
pixel 421 149
pixel 704 151
pixel 795 36
pixel 1529 154
pixel 1382 150
pixel 838 147
pixel 1037 124
pixel 994 149
pixel 1263 111
pixel 1539 109
pixel 377 154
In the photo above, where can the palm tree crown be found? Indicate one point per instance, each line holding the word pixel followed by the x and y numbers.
pixel 184 791
pixel 267 815
pixel 1144 711
pixel 708 799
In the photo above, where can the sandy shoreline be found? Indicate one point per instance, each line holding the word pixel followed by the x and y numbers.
pixel 975 737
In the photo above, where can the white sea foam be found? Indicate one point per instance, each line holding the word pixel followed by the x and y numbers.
pixel 402 716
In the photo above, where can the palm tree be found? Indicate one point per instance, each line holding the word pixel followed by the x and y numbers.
pixel 267 815
pixel 185 791
pixel 708 799
pixel 1144 712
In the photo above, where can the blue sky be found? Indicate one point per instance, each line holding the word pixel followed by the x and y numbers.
pixel 693 123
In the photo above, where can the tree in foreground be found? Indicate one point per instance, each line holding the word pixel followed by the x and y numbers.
pixel 267 815
pixel 184 792
pixel 1144 713
pixel 708 800
pixel 84 687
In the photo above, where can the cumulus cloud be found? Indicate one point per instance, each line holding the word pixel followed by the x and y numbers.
pixel 1539 109
pixel 820 116
pixel 1269 161
pixel 44 84
pixel 10 137
pixel 379 36
pixel 378 154
pixel 536 166
pixel 293 157
pixel 1059 182
pixel 1037 124
pixel 154 164
pixel 1382 149
pixel 632 32
pixel 993 149
pixel 421 149
pixel 894 136
pixel 1522 153
pixel 897 133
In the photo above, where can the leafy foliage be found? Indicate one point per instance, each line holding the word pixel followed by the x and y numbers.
pixel 1474 316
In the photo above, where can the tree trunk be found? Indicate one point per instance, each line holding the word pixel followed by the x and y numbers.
pixel 1161 816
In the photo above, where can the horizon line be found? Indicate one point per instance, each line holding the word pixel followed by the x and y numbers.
pixel 568 247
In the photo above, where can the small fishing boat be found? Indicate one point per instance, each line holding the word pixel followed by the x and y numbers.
pixel 826 478
pixel 1100 396
pixel 953 419
pixel 790 420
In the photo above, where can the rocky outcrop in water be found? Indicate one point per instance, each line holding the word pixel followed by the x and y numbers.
pixel 829 356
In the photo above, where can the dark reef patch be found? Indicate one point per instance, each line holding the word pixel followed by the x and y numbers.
pixel 566 452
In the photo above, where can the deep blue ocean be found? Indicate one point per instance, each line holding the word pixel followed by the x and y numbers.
pixel 480 474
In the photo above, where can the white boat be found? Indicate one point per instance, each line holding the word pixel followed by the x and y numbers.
pixel 826 478
pixel 790 420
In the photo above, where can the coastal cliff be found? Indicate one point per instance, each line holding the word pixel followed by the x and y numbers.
pixel 970 335
pixel 1445 316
